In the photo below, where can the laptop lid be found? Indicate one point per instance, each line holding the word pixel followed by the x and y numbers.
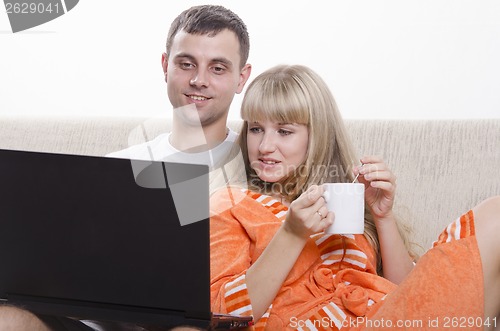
pixel 80 237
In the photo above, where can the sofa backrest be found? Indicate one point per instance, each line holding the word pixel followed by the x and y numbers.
pixel 444 167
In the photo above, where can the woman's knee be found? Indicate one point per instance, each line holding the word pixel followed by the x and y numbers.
pixel 488 211
pixel 487 224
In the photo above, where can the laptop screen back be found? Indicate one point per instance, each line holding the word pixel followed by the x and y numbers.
pixel 79 230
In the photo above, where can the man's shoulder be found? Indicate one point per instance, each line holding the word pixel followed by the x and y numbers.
pixel 155 149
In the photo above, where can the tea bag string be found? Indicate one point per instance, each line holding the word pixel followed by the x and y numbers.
pixel 355 178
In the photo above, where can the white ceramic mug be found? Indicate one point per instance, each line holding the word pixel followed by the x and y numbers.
pixel 347 202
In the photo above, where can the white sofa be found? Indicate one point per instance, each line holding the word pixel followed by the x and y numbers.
pixel 444 167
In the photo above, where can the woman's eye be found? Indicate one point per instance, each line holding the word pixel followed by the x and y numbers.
pixel 255 130
pixel 284 132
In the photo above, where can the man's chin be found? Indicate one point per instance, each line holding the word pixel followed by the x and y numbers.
pixel 190 115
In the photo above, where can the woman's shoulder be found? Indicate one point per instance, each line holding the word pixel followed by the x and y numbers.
pixel 245 204
pixel 229 192
pixel 228 197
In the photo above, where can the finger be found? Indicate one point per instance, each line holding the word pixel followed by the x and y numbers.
pixel 322 212
pixel 372 167
pixel 318 206
pixel 384 186
pixel 362 180
pixel 325 222
pixel 384 175
pixel 368 159
pixel 356 169
pixel 309 197
pixel 377 171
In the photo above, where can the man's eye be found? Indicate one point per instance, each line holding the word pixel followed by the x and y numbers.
pixel 186 65
pixel 219 70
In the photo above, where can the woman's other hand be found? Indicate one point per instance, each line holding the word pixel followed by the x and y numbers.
pixel 380 185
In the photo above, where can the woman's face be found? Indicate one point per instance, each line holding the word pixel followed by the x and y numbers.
pixel 275 150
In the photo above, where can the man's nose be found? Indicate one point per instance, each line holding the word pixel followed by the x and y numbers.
pixel 199 79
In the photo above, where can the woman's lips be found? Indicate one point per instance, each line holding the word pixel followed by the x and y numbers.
pixel 268 163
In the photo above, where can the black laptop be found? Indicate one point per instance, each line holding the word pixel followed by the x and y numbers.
pixel 93 238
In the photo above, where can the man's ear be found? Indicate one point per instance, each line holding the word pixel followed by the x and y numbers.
pixel 164 64
pixel 244 75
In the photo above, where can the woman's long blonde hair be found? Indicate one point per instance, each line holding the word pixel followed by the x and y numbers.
pixel 296 94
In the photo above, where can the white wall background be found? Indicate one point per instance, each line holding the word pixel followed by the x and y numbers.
pixel 381 58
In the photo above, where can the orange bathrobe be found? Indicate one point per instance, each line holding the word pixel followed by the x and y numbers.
pixel 334 285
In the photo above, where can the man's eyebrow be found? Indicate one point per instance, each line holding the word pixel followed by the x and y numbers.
pixel 184 55
pixel 222 60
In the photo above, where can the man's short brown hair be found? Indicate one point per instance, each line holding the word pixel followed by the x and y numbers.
pixel 210 19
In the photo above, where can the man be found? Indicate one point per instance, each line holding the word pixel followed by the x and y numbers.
pixel 204 67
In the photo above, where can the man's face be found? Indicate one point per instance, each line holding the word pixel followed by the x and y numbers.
pixel 205 71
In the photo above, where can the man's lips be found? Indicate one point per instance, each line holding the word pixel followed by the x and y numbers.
pixel 197 97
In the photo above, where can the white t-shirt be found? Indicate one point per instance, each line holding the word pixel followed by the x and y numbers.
pixel 160 149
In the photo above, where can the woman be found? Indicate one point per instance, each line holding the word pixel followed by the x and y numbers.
pixel 269 255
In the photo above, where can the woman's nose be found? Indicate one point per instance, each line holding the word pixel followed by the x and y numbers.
pixel 268 143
